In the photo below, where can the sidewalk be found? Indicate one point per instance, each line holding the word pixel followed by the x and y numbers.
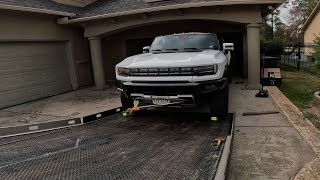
pixel 307 131
pixel 75 104
pixel 264 146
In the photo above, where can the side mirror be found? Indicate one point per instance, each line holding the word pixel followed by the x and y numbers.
pixel 228 46
pixel 146 49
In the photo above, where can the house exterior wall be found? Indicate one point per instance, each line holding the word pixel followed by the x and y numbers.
pixel 311 32
pixel 114 47
pixel 236 14
pixel 31 27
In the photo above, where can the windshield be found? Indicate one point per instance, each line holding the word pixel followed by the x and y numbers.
pixel 185 42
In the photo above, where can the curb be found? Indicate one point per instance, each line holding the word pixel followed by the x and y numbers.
pixel 53 125
pixel 305 128
pixel 221 173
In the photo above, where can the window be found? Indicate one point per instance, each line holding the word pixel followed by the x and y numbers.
pixel 185 42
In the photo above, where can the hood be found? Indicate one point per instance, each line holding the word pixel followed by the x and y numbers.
pixel 176 59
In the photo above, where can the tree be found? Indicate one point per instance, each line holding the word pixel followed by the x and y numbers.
pixel 271 24
pixel 272 34
pixel 280 31
pixel 316 53
pixel 299 13
pixel 301 10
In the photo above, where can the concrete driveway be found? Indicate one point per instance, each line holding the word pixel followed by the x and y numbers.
pixel 264 146
pixel 75 104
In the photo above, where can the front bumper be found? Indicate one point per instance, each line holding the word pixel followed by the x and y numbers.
pixel 171 88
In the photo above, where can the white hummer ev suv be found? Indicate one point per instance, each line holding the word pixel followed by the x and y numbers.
pixel 188 68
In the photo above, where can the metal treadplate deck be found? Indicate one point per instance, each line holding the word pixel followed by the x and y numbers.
pixel 149 145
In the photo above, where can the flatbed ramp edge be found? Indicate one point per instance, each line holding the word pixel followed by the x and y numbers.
pixel 149 145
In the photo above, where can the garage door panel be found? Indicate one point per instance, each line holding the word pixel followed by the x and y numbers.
pixel 32 70
pixel 30 91
pixel 14 97
pixel 26 64
pixel 20 84
pixel 26 71
pixel 29 62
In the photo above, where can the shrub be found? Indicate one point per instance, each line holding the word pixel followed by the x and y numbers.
pixel 316 53
pixel 272 47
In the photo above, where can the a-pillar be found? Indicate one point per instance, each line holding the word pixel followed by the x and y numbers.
pixel 253 42
pixel 97 63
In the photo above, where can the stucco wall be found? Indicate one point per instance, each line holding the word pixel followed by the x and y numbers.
pixel 23 26
pixel 311 32
pixel 237 14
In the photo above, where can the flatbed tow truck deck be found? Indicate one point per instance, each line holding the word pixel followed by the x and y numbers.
pixel 148 145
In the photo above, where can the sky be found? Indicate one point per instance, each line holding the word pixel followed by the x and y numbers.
pixel 284 14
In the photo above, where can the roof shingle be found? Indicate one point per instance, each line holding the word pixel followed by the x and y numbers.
pixel 98 7
pixel 112 6
pixel 43 4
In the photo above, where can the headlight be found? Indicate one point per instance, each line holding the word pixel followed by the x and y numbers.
pixel 205 70
pixel 123 71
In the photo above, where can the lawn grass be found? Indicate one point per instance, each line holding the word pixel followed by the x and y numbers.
pixel 300 87
pixel 310 65
pixel 313 118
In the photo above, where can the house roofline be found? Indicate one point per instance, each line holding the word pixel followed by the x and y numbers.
pixel 168 7
pixel 310 18
pixel 37 10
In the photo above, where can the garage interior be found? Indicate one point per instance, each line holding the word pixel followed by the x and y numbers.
pixel 121 44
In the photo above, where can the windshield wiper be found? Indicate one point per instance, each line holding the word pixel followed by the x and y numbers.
pixel 192 49
pixel 164 51
pixel 159 50
pixel 172 49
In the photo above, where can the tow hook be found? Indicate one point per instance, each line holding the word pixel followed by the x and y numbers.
pixel 136 108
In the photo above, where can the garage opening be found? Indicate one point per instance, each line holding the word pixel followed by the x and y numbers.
pixel 134 46
pixel 120 45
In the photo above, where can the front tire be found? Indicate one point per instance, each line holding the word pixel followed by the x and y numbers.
pixel 219 102
pixel 126 101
